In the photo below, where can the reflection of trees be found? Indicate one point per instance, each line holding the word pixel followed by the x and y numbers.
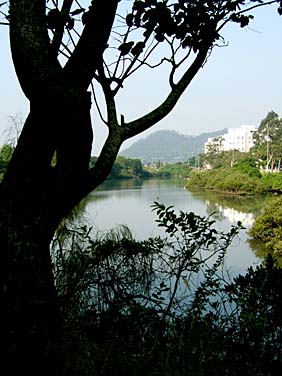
pixel 246 204
pixel 261 251
pixel 120 184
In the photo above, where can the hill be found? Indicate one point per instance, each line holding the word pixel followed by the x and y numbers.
pixel 168 146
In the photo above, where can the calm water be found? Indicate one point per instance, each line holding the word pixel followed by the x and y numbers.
pixel 129 203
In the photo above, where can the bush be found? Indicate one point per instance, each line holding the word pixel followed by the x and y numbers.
pixel 135 308
pixel 230 180
pixel 268 227
pixel 248 166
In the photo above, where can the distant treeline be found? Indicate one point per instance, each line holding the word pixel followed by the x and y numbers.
pixel 126 168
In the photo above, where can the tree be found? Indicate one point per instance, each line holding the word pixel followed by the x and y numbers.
pixel 58 48
pixel 268 139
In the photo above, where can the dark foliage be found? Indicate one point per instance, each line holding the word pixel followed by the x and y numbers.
pixel 162 306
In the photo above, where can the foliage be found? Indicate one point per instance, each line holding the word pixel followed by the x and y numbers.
pixel 255 335
pixel 136 308
pixel 268 227
pixel 127 168
pixel 248 165
pixel 268 140
pixel 6 152
pixel 228 179
pixel 243 178
pixel 222 159
pixel 124 168
pixel 175 170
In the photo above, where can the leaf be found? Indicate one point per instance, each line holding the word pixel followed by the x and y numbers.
pixel 129 19
pixel 124 48
pixel 138 48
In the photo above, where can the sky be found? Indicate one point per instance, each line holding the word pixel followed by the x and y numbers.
pixel 239 84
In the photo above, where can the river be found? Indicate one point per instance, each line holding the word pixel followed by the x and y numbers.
pixel 128 202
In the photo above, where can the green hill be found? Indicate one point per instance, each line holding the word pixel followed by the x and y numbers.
pixel 168 146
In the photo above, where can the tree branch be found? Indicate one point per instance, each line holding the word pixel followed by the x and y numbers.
pixel 30 46
pixel 59 32
pixel 137 126
pixel 246 10
pixel 109 98
pixel 92 43
pixel 106 159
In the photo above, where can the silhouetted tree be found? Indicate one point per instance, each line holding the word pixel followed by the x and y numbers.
pixel 58 48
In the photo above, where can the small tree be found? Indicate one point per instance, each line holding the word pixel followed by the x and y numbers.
pixel 268 139
pixel 58 48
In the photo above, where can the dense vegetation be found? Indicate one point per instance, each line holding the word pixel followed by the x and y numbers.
pixel 162 306
pixel 268 228
pixel 174 170
pixel 243 179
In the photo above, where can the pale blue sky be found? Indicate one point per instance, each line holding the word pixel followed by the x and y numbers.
pixel 239 84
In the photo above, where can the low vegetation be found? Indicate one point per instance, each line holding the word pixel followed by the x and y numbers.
pixel 163 306
pixel 268 228
pixel 175 170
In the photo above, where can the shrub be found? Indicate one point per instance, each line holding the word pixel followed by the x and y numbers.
pixel 136 308
pixel 268 227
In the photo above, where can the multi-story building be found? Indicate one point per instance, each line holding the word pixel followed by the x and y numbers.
pixel 236 139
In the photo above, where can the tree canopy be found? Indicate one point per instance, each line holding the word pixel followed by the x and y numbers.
pixel 268 142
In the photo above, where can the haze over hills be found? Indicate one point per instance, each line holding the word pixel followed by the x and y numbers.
pixel 168 146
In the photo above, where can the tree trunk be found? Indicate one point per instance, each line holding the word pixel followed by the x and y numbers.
pixel 45 179
pixel 31 330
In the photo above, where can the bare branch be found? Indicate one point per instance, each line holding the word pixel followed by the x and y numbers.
pixel 137 126
pixel 97 105
pixel 59 32
pixel 126 74
pixel 120 55
pixel 109 98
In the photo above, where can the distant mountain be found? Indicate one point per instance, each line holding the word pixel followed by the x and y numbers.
pixel 168 146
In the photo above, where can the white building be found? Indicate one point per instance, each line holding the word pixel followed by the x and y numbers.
pixel 236 139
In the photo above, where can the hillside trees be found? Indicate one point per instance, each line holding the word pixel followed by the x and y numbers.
pixel 268 144
pixel 58 48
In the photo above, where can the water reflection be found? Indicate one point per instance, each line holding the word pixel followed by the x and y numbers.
pixel 235 208
pixel 127 202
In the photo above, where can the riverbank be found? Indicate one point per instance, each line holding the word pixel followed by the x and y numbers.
pixel 230 180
